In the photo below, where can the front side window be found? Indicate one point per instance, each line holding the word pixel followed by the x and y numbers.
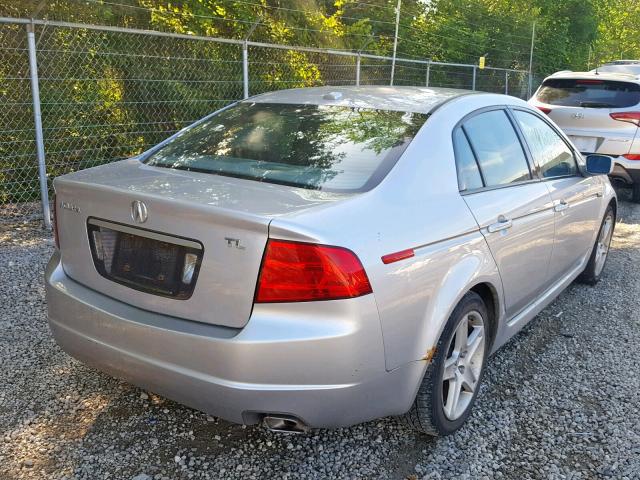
pixel 549 151
pixel 497 147
pixel 321 147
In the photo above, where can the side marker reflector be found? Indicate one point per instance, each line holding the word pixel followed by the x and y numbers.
pixel 397 256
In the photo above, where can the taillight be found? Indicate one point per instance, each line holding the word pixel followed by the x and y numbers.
pixel 632 156
pixel 630 117
pixel 301 272
pixel 56 239
pixel 545 110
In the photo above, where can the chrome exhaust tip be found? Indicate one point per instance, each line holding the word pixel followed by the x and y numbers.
pixel 284 424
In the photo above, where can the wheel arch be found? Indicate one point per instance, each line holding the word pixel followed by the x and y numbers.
pixel 489 288
pixel 489 295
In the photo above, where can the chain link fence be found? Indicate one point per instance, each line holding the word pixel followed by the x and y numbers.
pixel 19 187
pixel 108 93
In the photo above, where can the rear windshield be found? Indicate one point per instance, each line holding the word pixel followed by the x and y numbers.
pixel 321 147
pixel 589 93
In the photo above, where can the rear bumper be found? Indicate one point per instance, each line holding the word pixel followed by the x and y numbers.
pixel 628 170
pixel 323 363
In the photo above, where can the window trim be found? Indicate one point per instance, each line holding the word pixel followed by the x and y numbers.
pixel 475 158
pixel 560 135
pixel 535 178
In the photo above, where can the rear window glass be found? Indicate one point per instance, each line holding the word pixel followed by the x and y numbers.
pixel 497 148
pixel 590 93
pixel 469 177
pixel 322 147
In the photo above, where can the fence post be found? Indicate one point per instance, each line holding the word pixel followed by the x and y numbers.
pixel 506 82
pixel 428 72
pixel 473 84
pixel 37 120
pixel 245 69
pixel 358 59
pixel 395 42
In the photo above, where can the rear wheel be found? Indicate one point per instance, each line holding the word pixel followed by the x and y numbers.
pixel 635 195
pixel 593 271
pixel 451 382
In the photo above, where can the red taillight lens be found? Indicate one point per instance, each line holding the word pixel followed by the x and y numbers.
pixel 545 110
pixel 630 117
pixel 301 272
pixel 56 239
pixel 632 156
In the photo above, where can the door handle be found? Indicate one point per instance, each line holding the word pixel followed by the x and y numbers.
pixel 503 223
pixel 560 207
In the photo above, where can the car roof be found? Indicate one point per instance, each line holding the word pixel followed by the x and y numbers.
pixel 629 68
pixel 620 76
pixel 404 99
pixel 623 62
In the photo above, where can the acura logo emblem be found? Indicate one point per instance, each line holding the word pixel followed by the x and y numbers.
pixel 139 211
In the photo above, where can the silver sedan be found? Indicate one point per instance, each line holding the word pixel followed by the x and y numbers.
pixel 325 256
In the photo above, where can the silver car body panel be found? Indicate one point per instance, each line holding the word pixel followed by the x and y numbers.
pixel 319 361
pixel 289 359
pixel 188 204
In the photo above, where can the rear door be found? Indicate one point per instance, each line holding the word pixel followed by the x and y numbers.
pixel 575 197
pixel 583 108
pixel 513 208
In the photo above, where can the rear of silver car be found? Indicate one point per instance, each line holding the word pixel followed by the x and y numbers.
pixel 600 113
pixel 164 274
pixel 121 297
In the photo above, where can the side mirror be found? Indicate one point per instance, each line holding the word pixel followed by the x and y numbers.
pixel 599 165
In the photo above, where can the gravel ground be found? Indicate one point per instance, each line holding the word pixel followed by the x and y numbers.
pixel 559 401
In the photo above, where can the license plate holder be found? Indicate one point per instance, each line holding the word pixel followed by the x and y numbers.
pixel 585 144
pixel 148 261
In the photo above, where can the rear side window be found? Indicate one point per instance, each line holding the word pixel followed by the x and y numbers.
pixel 497 148
pixel 549 151
pixel 320 147
pixel 589 93
pixel 468 172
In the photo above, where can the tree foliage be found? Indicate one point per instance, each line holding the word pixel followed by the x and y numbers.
pixel 107 96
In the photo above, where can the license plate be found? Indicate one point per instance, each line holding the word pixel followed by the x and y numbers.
pixel 585 144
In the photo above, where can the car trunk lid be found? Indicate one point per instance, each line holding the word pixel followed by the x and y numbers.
pixel 224 221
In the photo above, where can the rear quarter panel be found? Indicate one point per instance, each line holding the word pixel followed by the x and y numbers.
pixel 417 206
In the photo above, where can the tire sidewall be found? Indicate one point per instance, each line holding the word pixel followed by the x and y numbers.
pixel 595 278
pixel 470 302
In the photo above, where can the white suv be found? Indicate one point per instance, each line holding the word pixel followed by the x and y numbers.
pixel 600 112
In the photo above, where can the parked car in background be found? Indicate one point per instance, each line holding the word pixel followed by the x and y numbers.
pixel 600 112
pixel 326 256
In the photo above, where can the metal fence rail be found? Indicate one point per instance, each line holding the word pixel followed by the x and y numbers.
pixel 74 95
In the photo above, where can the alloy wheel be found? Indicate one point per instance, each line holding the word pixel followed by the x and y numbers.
pixel 463 365
pixel 602 245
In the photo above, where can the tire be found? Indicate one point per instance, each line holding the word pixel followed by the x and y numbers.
pixel 635 192
pixel 429 413
pixel 593 271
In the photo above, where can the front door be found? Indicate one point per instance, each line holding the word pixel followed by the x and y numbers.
pixel 574 196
